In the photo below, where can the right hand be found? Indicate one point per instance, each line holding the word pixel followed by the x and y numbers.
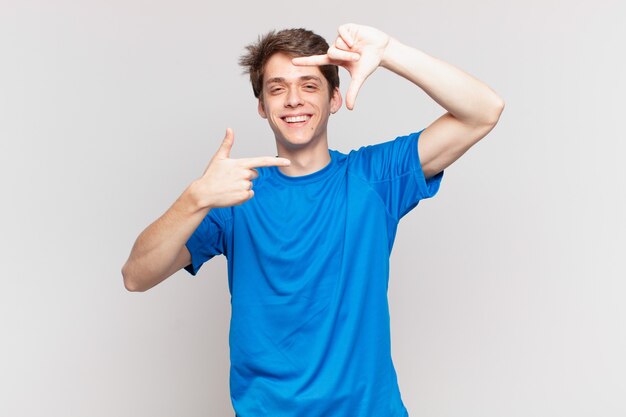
pixel 228 182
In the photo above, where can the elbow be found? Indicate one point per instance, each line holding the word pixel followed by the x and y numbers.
pixel 489 115
pixel 497 111
pixel 500 106
pixel 130 283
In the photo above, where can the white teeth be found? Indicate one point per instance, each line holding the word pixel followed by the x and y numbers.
pixel 296 119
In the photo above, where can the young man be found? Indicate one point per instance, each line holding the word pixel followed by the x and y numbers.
pixel 308 234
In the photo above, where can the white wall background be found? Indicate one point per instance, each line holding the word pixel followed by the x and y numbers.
pixel 507 290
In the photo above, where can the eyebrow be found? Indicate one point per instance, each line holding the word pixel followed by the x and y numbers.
pixel 303 78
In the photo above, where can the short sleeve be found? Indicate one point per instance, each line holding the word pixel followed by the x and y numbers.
pixel 206 241
pixel 393 169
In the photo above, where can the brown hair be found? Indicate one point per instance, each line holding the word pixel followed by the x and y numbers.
pixel 293 42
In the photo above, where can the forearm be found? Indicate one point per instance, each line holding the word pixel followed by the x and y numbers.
pixel 465 97
pixel 159 251
pixel 157 247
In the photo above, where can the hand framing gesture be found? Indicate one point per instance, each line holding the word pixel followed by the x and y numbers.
pixel 359 49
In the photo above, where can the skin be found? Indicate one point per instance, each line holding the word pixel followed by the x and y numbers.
pixel 472 111
pixel 160 249
pixel 290 90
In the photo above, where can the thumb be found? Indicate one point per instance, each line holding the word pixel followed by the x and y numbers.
pixel 227 144
pixel 353 91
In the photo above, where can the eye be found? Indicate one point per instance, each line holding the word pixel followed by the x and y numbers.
pixel 310 87
pixel 276 90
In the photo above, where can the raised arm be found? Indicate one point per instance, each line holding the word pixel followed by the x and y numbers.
pixel 160 249
pixel 473 109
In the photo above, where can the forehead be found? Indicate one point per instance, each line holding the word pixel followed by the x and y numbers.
pixel 279 66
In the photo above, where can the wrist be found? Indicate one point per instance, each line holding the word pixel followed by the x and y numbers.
pixel 193 199
pixel 390 52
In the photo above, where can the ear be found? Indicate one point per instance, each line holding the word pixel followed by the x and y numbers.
pixel 261 108
pixel 335 101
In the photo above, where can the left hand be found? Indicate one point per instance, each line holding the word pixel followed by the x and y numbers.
pixel 359 49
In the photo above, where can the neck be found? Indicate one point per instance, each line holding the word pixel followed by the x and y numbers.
pixel 306 160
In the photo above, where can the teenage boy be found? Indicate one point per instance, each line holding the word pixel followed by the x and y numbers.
pixel 308 234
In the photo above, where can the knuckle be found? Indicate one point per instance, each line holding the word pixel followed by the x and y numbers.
pixel 251 174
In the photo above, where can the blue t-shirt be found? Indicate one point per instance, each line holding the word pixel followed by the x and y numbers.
pixel 308 270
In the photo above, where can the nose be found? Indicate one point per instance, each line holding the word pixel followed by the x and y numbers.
pixel 293 98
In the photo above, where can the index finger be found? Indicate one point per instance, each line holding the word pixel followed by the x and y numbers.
pixel 336 54
pixel 264 161
pixel 311 60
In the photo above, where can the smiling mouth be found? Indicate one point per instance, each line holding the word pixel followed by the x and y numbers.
pixel 296 119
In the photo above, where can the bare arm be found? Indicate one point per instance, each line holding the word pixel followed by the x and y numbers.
pixel 160 249
pixel 473 109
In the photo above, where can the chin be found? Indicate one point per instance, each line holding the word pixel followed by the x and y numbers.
pixel 295 143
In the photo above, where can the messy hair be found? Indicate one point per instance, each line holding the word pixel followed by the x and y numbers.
pixel 294 43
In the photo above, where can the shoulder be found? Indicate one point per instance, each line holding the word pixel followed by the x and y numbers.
pixel 386 146
pixel 386 159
